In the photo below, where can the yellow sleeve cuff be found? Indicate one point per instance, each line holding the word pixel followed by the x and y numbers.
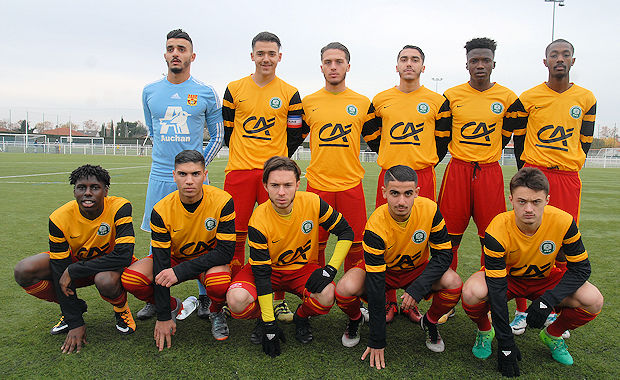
pixel 266 306
pixel 340 252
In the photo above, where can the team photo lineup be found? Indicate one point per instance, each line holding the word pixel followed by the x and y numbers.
pixel 199 232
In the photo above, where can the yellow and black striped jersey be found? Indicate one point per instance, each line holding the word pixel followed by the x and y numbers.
pixel 388 245
pixel 482 121
pixel 289 243
pixel 260 122
pixel 409 125
pixel 559 127
pixel 335 123
pixel 509 252
pixel 393 246
pixel 71 234
pixel 185 235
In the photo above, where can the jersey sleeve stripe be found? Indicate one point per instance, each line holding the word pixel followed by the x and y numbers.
pixel 495 273
pixel 125 239
pixel 227 237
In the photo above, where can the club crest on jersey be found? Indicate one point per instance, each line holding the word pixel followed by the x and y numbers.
pixel 419 236
pixel 575 112
pixel 275 102
pixel 210 224
pixel 423 108
pixel 103 229
pixel 547 247
pixel 497 108
pixel 352 110
pixel 307 226
pixel 192 100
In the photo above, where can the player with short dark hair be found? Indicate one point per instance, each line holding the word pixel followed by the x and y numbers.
pixel 555 138
pixel 192 236
pixel 177 109
pixel 520 248
pixel 411 122
pixel 484 114
pixel 91 240
pixel 262 118
pixel 406 246
pixel 283 254
pixel 336 117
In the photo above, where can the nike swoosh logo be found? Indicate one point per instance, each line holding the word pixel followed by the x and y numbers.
pixel 314 109
pixel 537 107
pixel 387 106
pixel 275 241
pixel 513 251
pixel 74 237
pixel 122 329
pixel 173 230
pixel 460 105
pixel 242 100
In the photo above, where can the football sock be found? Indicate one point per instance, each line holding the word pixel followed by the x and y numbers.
pixel 350 305
pixel 43 289
pixel 569 319
pixel 443 301
pixel 217 284
pixel 479 314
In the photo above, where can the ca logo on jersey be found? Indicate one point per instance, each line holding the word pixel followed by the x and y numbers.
pixel 401 131
pixel 575 112
pixel 210 224
pixel 275 103
pixel 497 108
pixel 419 236
pixel 352 110
pixel 103 229
pixel 192 100
pixel 307 226
pixel 253 125
pixel 558 135
pixel 331 132
pixel 482 131
pixel 547 247
pixel 423 108
pixel 176 119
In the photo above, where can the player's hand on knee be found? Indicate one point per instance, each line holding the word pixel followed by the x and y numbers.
pixel 65 283
pixel 507 360
pixel 377 357
pixel 408 302
pixel 166 278
pixel 320 278
pixel 75 339
pixel 537 313
pixel 163 333
pixel 272 334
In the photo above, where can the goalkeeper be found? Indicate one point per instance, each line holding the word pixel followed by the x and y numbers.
pixel 283 235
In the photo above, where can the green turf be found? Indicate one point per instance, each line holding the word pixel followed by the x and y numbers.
pixel 29 351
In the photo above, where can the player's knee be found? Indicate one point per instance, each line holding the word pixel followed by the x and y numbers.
pixel 108 283
pixel 327 296
pixel 598 300
pixel 451 280
pixel 238 300
pixel 23 273
pixel 473 292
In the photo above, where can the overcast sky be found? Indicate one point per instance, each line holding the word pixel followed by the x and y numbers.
pixel 91 59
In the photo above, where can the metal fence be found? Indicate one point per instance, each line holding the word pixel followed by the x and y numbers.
pixel 594 160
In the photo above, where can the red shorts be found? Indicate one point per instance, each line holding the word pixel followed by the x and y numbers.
pixel 350 203
pixel 471 190
pixel 246 189
pixel 292 281
pixel 564 190
pixel 401 279
pixel 426 181
pixel 532 288
pixel 175 261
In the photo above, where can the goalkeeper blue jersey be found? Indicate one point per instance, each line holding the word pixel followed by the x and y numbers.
pixel 176 115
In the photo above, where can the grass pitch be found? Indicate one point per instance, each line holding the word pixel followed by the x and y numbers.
pixel 33 185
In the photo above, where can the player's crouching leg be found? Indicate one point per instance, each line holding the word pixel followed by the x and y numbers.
pixel 109 286
pixel 476 307
pixel 445 298
pixel 347 293
pixel 312 304
pixel 217 281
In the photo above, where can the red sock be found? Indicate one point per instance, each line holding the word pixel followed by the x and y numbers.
pixel 217 284
pixel 138 284
pixel 521 304
pixel 479 314
pixel 443 301
pixel 350 305
pixel 321 257
pixel 569 319
pixel 355 255
pixel 311 306
pixel 390 296
pixel 239 258
pixel 43 289
pixel 252 311
pixel 455 257
pixel 119 301
pixel 278 295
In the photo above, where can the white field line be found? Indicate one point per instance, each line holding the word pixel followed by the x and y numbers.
pixel 42 174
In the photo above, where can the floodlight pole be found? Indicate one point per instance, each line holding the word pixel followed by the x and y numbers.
pixel 561 4
pixel 436 80
pixel 70 136
pixel 26 142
